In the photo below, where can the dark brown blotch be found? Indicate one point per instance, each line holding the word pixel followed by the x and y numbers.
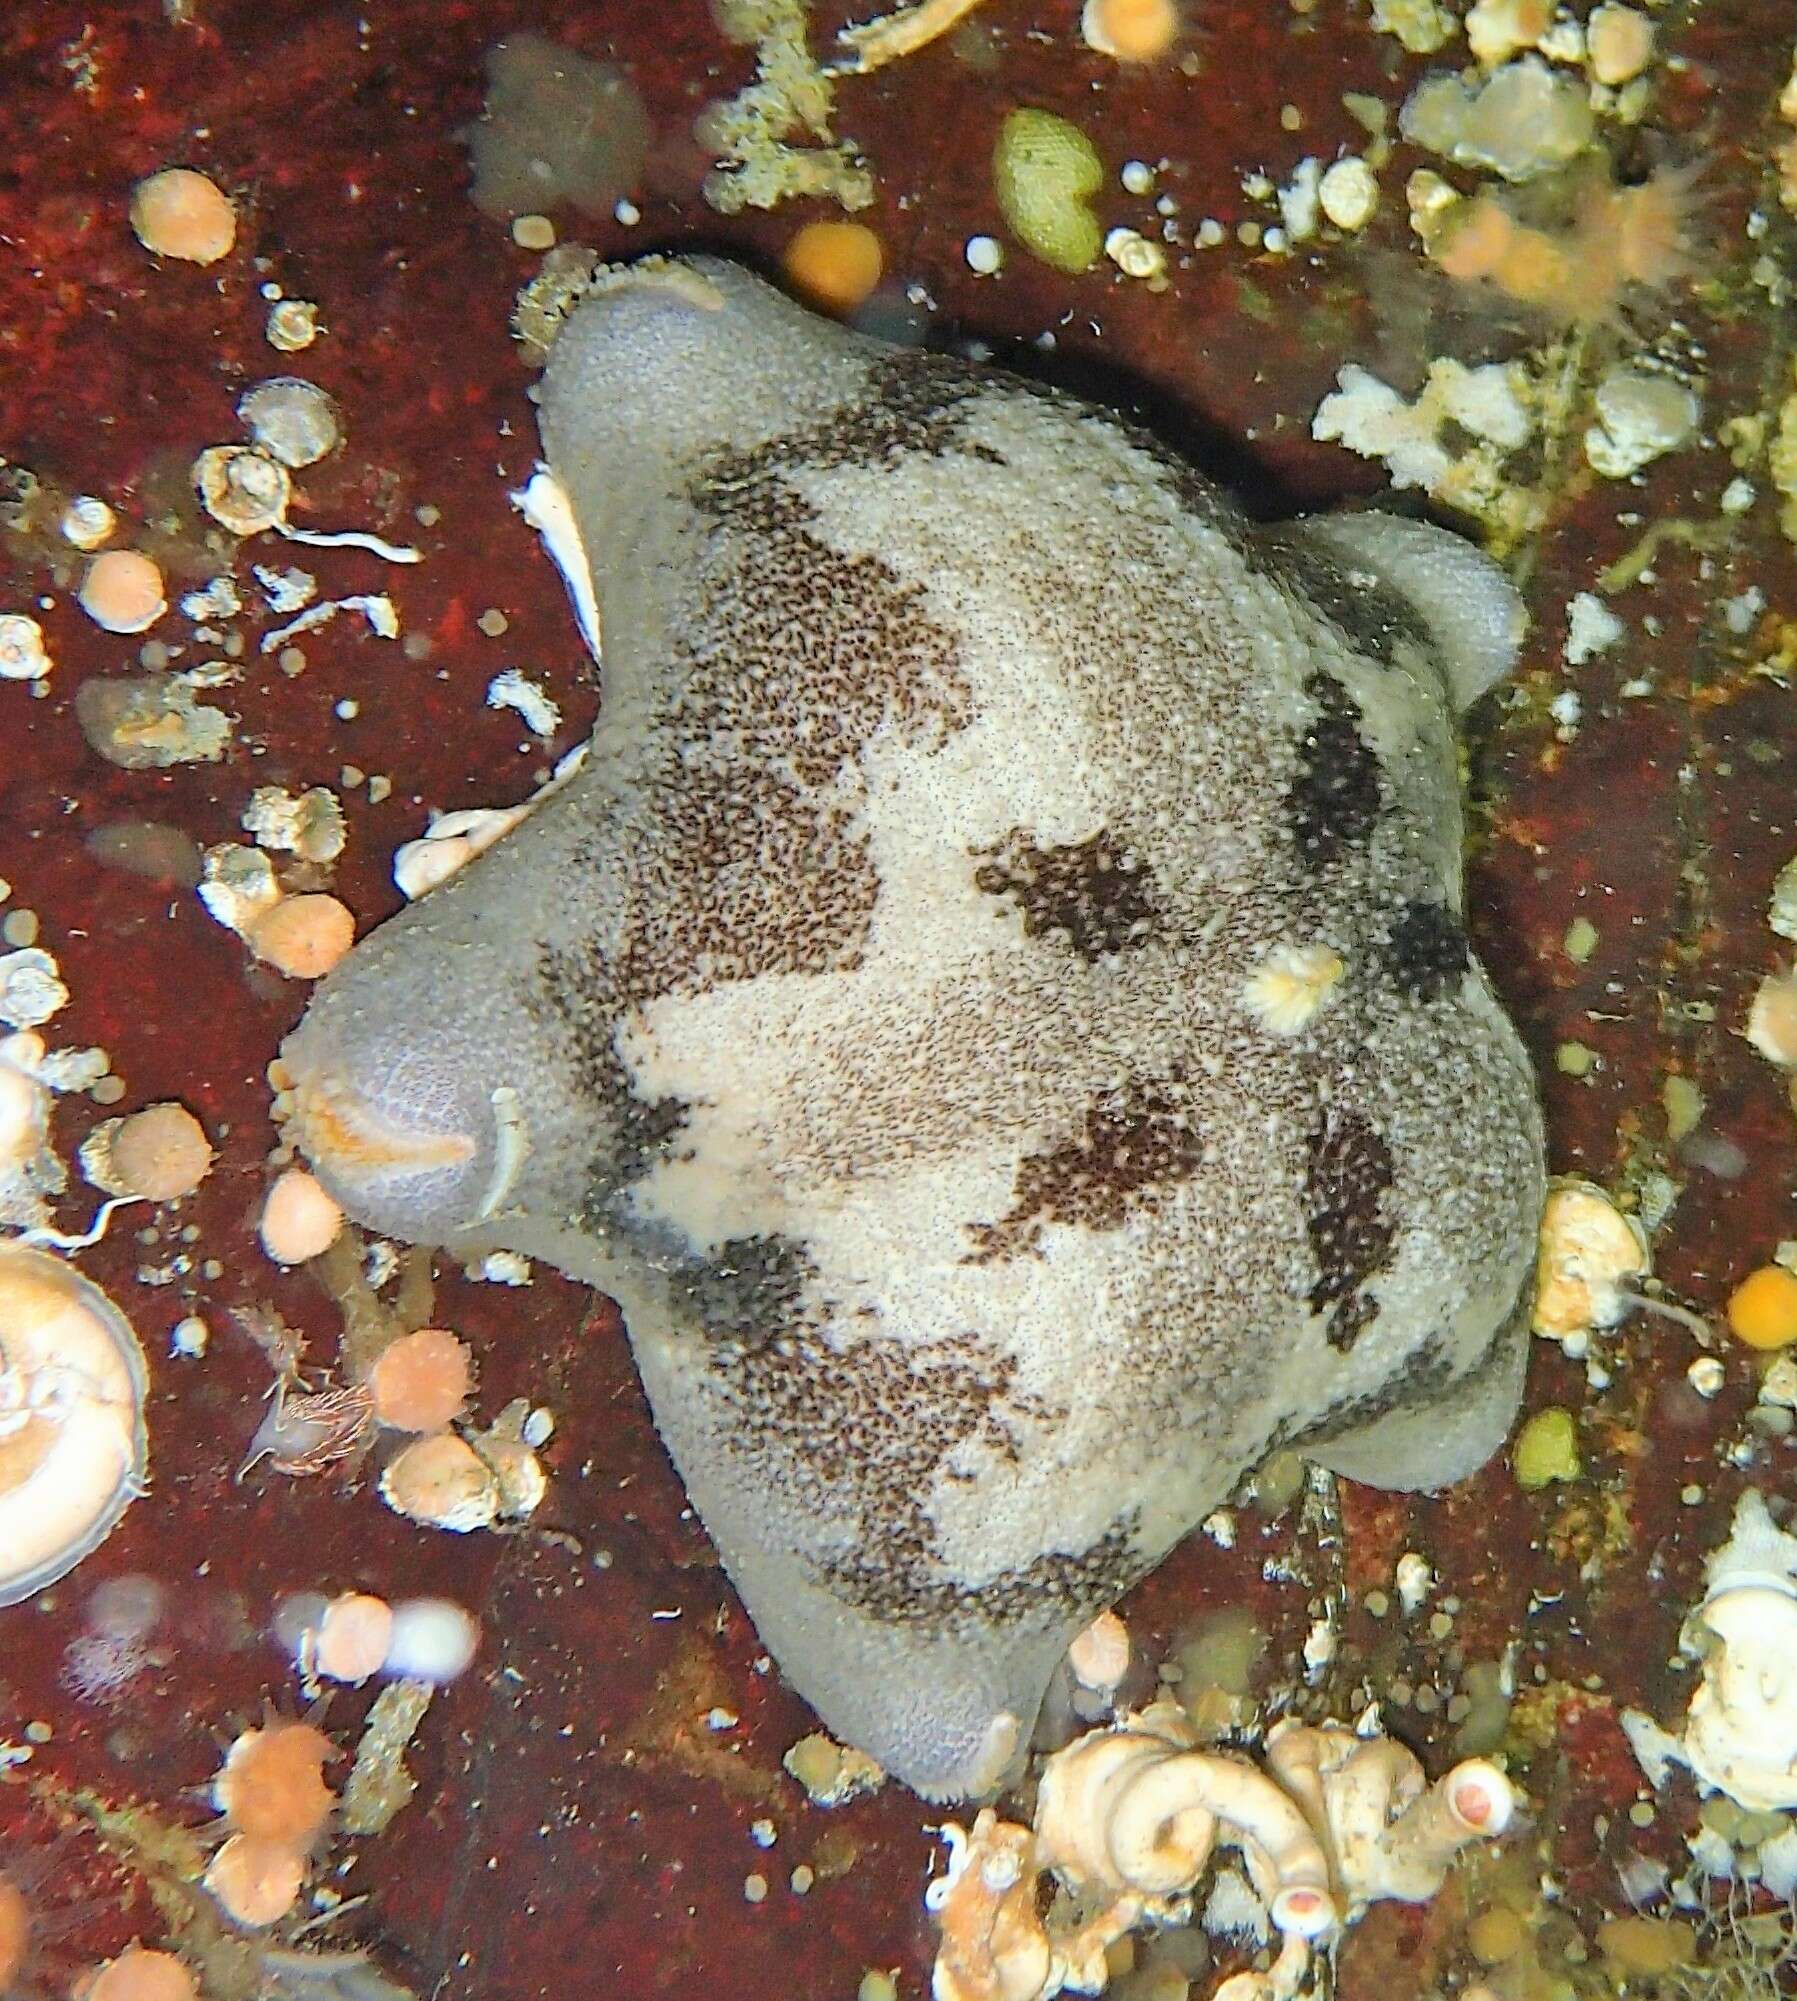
pixel 1136 1144
pixel 1347 1176
pixel 1334 800
pixel 575 996
pixel 1057 1584
pixel 860 1428
pixel 1374 618
pixel 1428 954
pixel 790 657
pixel 911 405
pixel 748 1292
pixel 1093 893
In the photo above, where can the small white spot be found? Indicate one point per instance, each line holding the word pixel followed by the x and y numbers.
pixel 189 1336
pixel 1706 1376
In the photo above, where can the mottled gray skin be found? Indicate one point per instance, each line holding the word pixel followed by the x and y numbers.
pixel 877 1000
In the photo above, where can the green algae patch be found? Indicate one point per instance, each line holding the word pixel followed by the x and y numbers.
pixel 1045 173
pixel 1546 1449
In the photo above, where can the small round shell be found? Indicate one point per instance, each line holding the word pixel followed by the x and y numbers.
pixel 182 213
pixel 421 1381
pixel 73 1448
pixel 243 489
pixel 299 1220
pixel 87 521
pixel 122 591
pixel 290 419
pixel 23 654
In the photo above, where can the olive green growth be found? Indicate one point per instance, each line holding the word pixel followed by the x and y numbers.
pixel 1546 1449
pixel 1045 173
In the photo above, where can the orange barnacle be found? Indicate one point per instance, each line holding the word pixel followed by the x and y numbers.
pixel 299 1220
pixel 1474 238
pixel 271 1786
pixel 256 1882
pixel 140 1974
pixel 421 1381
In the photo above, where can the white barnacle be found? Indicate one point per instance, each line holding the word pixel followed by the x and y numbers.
pixel 1739 1735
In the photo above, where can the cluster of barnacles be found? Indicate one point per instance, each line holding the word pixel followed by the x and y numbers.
pixel 1128 1818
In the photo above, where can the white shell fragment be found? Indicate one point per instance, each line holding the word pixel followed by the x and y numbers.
pixel 1640 418
pixel 1349 193
pixel 31 988
pixel 1781 912
pixel 544 503
pixel 1099 1657
pixel 452 840
pixel 310 826
pixel 73 1448
pixel 376 607
pixel 511 690
pixel 239 886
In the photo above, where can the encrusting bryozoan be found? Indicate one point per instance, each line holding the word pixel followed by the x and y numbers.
pixel 1128 1819
pixel 867 1014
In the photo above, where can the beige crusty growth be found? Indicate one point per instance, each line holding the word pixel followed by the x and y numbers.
pixel 993 1008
